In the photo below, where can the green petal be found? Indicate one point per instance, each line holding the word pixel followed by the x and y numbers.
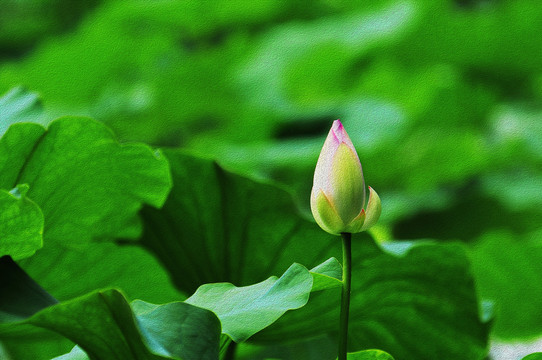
pixel 374 209
pixel 356 225
pixel 347 183
pixel 325 214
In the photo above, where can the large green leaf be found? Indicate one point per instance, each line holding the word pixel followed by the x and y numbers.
pixel 21 224
pixel 67 273
pixel 217 226
pixel 86 183
pixel 426 288
pixel 89 187
pixel 243 311
pixel 106 328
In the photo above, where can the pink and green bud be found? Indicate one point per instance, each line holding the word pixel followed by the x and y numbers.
pixel 338 193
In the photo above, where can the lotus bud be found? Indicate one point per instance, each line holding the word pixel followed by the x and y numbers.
pixel 338 193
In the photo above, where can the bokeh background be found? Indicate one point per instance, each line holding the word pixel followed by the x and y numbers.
pixel 442 98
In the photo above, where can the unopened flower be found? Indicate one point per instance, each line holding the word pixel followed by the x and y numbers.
pixel 338 192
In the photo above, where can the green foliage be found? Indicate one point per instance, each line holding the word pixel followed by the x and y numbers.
pixel 73 155
pixel 112 330
pixel 430 283
pixel 158 331
pixel 88 187
pixel 442 100
pixel 429 298
pixel 243 311
pixel 245 230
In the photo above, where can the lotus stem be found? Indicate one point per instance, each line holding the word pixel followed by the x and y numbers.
pixel 345 295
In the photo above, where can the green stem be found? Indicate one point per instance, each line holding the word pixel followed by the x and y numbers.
pixel 345 296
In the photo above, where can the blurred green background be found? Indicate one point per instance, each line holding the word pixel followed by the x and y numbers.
pixel 442 98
